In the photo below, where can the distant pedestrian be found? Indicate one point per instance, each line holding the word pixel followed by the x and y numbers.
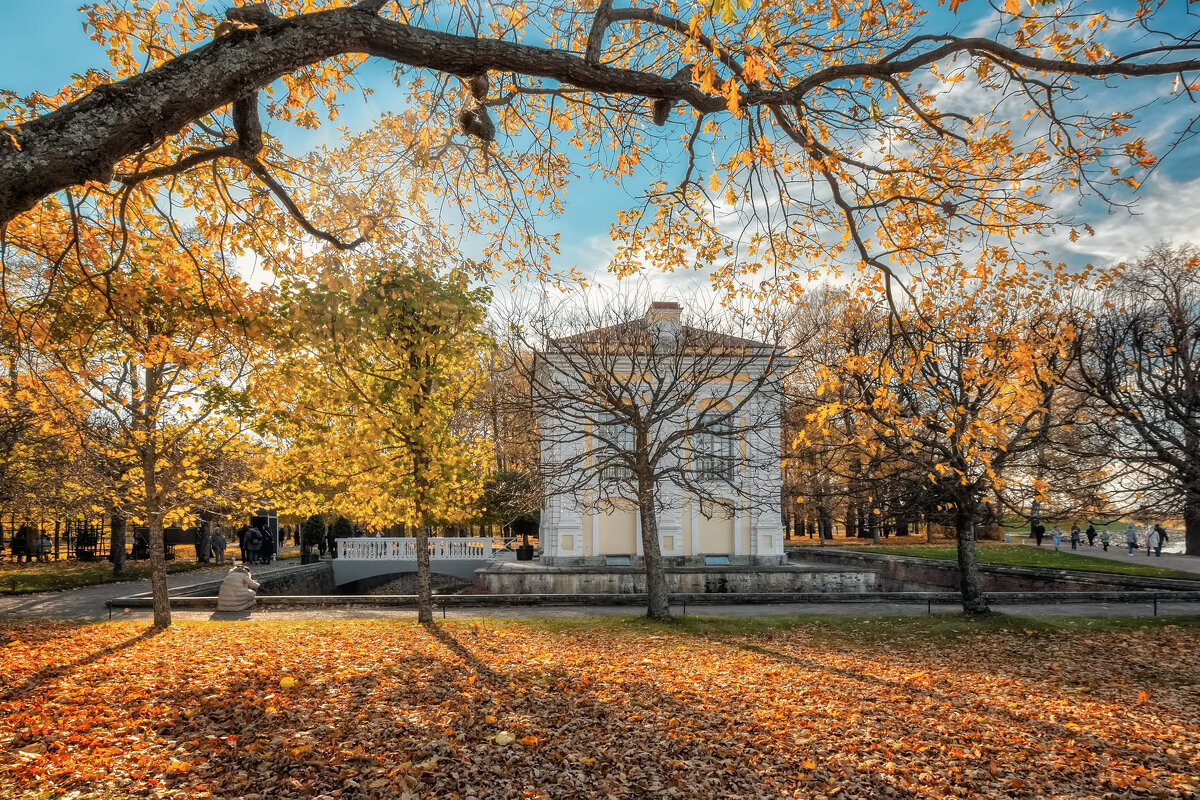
pixel 1130 538
pixel 1074 536
pixel 1105 538
pixel 1057 534
pixel 266 552
pixel 218 546
pixel 245 551
pixel 1038 530
pixel 1091 534
pixel 1157 538
pixel 18 545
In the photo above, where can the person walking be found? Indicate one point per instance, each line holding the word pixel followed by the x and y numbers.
pixel 32 542
pixel 218 546
pixel 1130 538
pixel 1091 534
pixel 1057 534
pixel 1074 536
pixel 1038 530
pixel 1105 538
pixel 1159 536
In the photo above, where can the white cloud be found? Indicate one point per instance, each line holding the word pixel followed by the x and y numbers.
pixel 1165 210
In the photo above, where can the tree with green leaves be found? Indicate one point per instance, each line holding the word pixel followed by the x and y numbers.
pixel 376 380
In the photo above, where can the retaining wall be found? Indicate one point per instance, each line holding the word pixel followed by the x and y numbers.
pixel 531 578
pixel 908 574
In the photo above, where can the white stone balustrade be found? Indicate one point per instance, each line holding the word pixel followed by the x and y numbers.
pixel 405 549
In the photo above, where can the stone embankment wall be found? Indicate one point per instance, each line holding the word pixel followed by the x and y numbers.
pixel 905 574
pixel 306 579
pixel 533 579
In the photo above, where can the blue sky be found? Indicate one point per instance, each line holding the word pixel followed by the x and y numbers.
pixel 42 43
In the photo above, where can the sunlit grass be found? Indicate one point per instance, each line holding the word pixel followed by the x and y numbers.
pixel 1022 555
pixel 70 574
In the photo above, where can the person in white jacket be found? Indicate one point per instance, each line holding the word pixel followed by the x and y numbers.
pixel 237 590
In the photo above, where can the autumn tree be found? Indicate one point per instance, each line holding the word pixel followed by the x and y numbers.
pixel 962 380
pixel 145 364
pixel 504 411
pixel 1138 355
pixel 36 457
pixel 633 403
pixel 376 380
pixel 768 139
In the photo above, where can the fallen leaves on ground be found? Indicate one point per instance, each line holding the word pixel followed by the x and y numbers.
pixel 373 709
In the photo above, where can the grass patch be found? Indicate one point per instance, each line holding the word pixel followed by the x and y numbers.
pixel 853 630
pixel 1009 555
pixel 59 575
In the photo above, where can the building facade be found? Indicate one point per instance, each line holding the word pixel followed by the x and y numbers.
pixel 695 412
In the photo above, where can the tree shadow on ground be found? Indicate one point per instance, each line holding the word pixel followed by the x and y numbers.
pixel 53 672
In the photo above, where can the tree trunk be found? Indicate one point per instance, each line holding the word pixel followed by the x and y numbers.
pixel 116 542
pixel 970 583
pixel 1191 520
pixel 204 548
pixel 158 571
pixel 658 597
pixel 424 584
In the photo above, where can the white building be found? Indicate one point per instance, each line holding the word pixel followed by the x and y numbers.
pixel 696 410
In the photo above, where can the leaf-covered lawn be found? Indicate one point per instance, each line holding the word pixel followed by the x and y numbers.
pixel 374 709
pixel 1019 555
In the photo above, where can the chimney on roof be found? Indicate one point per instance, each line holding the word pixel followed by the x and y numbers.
pixel 664 311
pixel 663 319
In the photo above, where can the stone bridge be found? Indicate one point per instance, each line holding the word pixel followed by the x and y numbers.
pixel 370 557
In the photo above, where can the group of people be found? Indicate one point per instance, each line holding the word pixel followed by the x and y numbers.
pixel 29 544
pixel 1156 537
pixel 257 545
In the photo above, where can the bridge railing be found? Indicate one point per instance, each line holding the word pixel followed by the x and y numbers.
pixel 405 549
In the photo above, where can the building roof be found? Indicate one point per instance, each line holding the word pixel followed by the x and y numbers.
pixel 647 330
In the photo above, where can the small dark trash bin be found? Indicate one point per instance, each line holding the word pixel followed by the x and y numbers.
pixel 525 552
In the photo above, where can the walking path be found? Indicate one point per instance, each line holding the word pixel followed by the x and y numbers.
pixel 89 603
pixel 1172 555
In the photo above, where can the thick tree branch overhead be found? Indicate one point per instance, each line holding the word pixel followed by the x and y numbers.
pixel 84 140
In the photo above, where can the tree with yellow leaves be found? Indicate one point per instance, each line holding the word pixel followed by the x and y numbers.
pixel 377 380
pixel 763 139
pixel 145 364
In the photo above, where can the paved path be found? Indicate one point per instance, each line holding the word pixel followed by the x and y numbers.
pixel 88 604
pixel 1172 557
